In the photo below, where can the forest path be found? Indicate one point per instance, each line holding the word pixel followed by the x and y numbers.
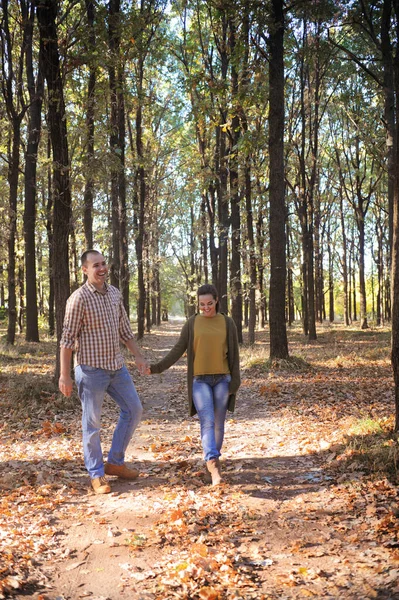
pixel 284 524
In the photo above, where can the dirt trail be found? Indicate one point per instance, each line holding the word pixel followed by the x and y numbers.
pixel 281 526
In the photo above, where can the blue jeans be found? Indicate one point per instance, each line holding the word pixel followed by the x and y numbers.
pixel 92 384
pixel 211 397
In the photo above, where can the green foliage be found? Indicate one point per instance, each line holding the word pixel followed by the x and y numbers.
pixel 187 102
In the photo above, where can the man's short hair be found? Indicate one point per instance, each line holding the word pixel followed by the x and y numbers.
pixel 83 258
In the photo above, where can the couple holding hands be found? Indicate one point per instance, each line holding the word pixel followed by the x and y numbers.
pixel 95 323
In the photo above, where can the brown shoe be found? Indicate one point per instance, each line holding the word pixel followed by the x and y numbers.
pixel 213 467
pixel 100 485
pixel 121 471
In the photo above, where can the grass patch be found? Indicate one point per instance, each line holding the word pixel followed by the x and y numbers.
pixel 291 364
pixel 29 394
pixel 365 426
pixel 377 353
pixel 372 446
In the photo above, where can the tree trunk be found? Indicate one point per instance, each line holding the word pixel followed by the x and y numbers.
pixel 213 250
pixel 235 134
pixel 34 131
pixel 331 311
pixel 389 108
pixel 261 269
pixel 139 204
pixel 252 256
pixel 11 84
pixel 290 283
pixel 344 262
pixel 223 211
pixel 395 242
pixel 350 285
pixel 362 279
pixel 192 278
pixel 278 331
pixel 222 171
pixel 122 213
pixel 311 287
pixel 50 240
pixel 148 289
pixel 21 311
pixel 354 298
pixel 47 14
pixel 305 281
pixel 114 44
pixel 13 173
pixel 380 273
pixel 318 257
pixel 88 197
pixel 245 83
pixel 204 237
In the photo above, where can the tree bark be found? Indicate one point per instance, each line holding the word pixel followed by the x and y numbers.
pixel 235 133
pixel 331 315
pixel 36 90
pixel 395 241
pixel 290 283
pixel 389 108
pixel 222 171
pixel 247 160
pixel 122 212
pixel 13 173
pixel 88 197
pixel 362 278
pixel 62 212
pixel 260 238
pixel 11 86
pixel 139 203
pixel 114 43
pixel 278 331
pixel 50 240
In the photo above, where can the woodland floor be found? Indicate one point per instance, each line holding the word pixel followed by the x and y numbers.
pixel 305 510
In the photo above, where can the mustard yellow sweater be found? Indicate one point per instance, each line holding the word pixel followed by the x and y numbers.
pixel 186 342
pixel 210 345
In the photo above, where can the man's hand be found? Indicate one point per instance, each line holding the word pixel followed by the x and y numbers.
pixel 65 382
pixel 65 385
pixel 142 365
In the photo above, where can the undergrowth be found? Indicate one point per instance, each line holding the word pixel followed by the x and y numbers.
pixel 264 365
pixel 371 445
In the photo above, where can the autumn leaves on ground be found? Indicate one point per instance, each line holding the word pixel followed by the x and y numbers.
pixel 309 507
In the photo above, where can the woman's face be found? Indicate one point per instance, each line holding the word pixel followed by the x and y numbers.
pixel 207 305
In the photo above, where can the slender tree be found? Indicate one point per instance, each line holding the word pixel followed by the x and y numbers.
pixel 62 204
pixel 395 238
pixel 114 39
pixel 278 331
pixel 11 85
pixel 36 89
pixel 235 194
pixel 90 126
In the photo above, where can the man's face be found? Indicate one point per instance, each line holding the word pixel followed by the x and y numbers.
pixel 96 269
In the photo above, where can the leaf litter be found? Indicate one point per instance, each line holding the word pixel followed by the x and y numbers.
pixel 309 507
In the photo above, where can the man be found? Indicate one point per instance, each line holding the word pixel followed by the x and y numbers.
pixel 95 322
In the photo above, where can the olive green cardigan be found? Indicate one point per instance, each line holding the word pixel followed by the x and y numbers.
pixel 185 342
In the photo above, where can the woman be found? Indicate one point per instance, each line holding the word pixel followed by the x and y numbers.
pixel 213 371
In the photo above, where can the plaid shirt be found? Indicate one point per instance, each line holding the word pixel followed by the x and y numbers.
pixel 94 324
